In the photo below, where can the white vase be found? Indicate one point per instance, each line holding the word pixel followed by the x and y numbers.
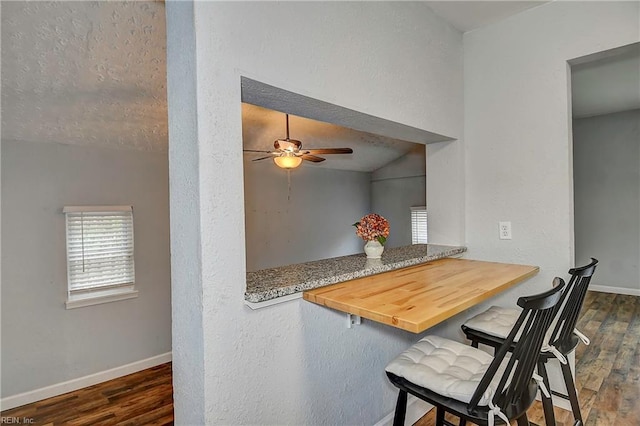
pixel 373 249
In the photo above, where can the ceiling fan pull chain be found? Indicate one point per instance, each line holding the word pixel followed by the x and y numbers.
pixel 288 184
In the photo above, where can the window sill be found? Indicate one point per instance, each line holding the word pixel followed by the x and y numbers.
pixel 89 300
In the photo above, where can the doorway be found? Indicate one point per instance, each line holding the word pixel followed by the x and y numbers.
pixel 606 163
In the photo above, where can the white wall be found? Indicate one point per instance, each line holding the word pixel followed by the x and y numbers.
pixel 395 188
pixel 293 363
pixel 313 221
pixel 43 343
pixel 606 168
pixel 518 130
pixel 518 127
pixel 186 281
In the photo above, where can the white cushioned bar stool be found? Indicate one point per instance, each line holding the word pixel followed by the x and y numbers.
pixel 492 327
pixel 471 384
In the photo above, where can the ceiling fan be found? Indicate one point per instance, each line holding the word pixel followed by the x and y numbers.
pixel 288 153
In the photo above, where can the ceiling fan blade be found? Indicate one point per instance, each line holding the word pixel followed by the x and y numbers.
pixel 312 158
pixel 255 150
pixel 262 158
pixel 330 151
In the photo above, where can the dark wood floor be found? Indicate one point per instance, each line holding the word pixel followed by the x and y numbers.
pixel 607 371
pixel 143 398
pixel 608 380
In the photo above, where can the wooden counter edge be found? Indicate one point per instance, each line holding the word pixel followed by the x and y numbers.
pixel 394 321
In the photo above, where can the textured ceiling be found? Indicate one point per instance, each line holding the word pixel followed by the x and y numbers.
pixel 87 73
pixel 262 126
pixel 94 73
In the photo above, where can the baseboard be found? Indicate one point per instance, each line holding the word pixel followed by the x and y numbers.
pixel 617 290
pixel 82 382
pixel 416 409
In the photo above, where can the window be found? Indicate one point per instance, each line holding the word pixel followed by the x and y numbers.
pixel 419 225
pixel 100 265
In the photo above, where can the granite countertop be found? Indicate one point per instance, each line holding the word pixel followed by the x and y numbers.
pixel 271 283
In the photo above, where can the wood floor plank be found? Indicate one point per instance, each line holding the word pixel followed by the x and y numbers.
pixel 158 415
pixel 587 399
pixel 145 397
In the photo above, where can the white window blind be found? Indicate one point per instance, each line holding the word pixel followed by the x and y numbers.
pixel 99 250
pixel 419 225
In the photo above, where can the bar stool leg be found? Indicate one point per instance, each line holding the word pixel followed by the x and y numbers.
pixel 523 420
pixel 547 402
pixel 439 416
pixel 571 391
pixel 401 409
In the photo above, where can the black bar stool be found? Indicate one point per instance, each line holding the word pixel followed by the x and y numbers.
pixel 489 328
pixel 470 383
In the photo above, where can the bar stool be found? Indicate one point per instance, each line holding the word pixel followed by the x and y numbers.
pixel 491 328
pixel 470 383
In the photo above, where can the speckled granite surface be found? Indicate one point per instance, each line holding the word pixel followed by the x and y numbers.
pixel 268 284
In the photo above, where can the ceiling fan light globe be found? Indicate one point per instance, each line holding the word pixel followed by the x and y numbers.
pixel 287 162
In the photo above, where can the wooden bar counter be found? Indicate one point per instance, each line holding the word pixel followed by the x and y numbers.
pixel 418 297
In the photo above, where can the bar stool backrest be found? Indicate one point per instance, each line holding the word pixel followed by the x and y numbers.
pixel 516 381
pixel 568 310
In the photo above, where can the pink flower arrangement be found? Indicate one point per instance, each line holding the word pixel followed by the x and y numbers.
pixel 373 227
